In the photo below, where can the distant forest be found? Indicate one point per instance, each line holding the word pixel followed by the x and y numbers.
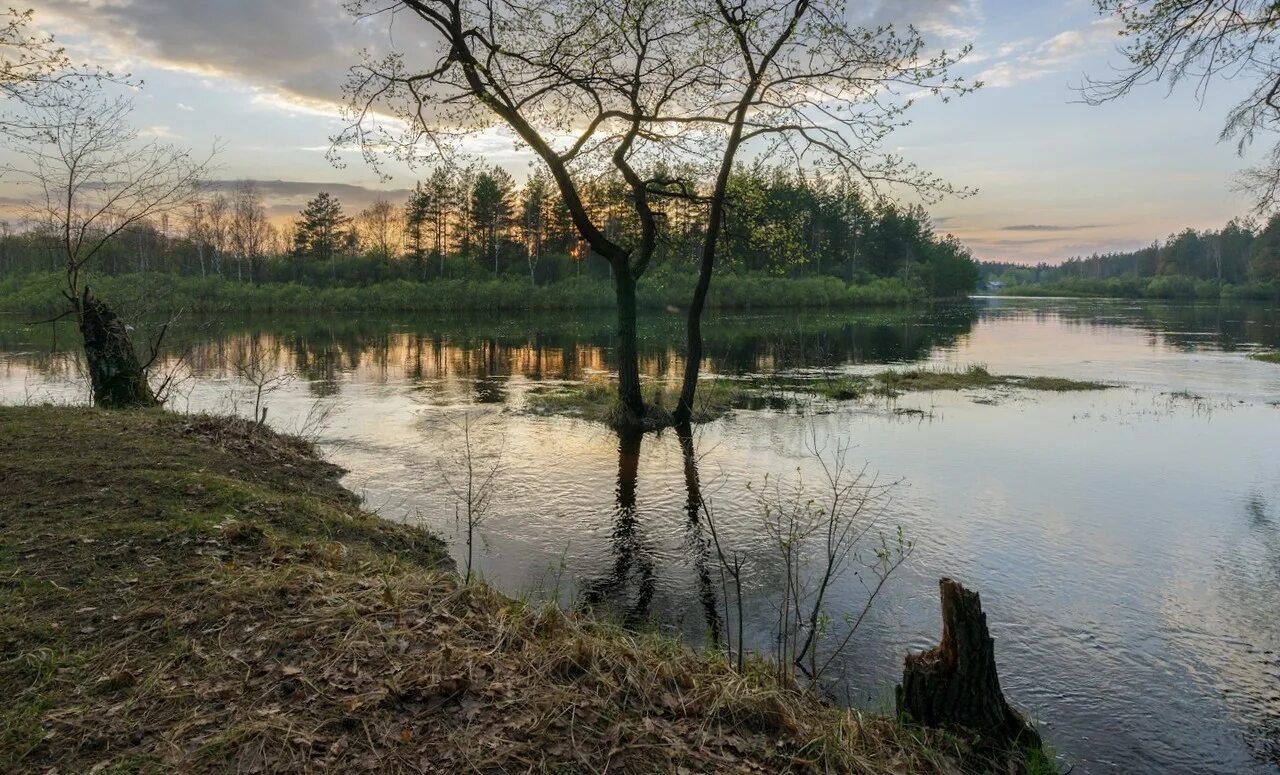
pixel 1237 261
pixel 477 223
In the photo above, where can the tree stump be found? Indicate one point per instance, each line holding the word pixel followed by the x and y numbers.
pixel 118 378
pixel 955 684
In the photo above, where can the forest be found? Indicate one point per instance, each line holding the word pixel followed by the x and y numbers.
pixel 476 223
pixel 1237 261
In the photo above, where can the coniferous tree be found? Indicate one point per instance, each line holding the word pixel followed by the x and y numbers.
pixel 417 218
pixel 491 209
pixel 322 232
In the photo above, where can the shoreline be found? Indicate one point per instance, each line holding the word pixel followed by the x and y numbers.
pixel 196 592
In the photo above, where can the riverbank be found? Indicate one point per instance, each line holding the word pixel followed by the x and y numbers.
pixel 1168 287
pixel 194 593
pixel 156 293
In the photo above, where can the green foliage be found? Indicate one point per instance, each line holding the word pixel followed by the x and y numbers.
pixel 37 294
pixel 473 223
pixel 1232 263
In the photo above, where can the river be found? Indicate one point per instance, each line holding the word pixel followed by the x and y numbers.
pixel 1126 542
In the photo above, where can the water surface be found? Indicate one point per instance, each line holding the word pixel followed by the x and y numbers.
pixel 1126 543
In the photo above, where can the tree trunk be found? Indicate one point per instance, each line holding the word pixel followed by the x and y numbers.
pixel 118 378
pixel 955 684
pixel 628 355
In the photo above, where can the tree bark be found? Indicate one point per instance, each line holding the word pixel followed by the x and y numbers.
pixel 955 684
pixel 628 353
pixel 118 378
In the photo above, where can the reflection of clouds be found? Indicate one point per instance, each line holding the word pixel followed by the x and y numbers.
pixel 1225 632
pixel 1125 592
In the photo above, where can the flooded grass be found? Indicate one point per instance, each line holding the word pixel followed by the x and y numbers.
pixel 1057 384
pixel 976 377
pixel 197 594
pixel 597 399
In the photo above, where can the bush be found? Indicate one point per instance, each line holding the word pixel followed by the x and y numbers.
pixel 38 294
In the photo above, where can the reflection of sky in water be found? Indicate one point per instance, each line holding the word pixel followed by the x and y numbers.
pixel 1126 543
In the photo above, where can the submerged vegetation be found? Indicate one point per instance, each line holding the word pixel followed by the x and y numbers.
pixel 196 593
pixel 596 399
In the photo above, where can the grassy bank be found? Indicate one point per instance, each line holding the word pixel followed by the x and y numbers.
pixel 1266 357
pixel 596 400
pixel 38 294
pixel 190 594
pixel 1161 287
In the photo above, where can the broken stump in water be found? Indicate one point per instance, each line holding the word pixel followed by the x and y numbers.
pixel 118 378
pixel 955 684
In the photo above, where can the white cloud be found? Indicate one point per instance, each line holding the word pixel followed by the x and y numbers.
pixel 161 131
pixel 1028 60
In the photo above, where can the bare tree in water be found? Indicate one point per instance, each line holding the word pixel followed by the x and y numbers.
pixel 640 88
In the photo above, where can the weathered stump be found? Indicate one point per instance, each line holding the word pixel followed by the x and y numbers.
pixel 118 378
pixel 954 685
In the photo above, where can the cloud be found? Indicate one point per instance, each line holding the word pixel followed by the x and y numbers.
pixel 284 198
pixel 184 107
pixel 1029 60
pixel 1042 227
pixel 948 21
pixel 162 131
pixel 295 48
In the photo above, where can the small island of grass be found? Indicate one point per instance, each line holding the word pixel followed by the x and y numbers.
pixel 596 400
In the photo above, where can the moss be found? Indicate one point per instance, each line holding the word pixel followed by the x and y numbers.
pixel 194 594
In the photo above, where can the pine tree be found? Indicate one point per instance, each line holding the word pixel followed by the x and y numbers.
pixel 491 208
pixel 417 217
pixel 322 232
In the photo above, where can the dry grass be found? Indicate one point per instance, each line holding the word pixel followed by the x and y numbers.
pixel 186 594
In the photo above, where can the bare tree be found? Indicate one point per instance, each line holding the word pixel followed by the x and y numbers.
pixel 379 227
pixel 95 181
pixel 218 220
pixel 249 231
pixel 1201 41
pixel 590 85
pixel 471 474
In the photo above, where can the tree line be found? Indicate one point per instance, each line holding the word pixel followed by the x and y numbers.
pixel 476 221
pixel 1239 259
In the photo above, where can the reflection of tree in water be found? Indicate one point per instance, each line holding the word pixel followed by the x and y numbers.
pixel 629 587
pixel 1187 326
pixel 699 545
pixel 491 376
pixel 542 347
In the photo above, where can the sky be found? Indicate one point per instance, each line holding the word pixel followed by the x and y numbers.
pixel 1055 178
